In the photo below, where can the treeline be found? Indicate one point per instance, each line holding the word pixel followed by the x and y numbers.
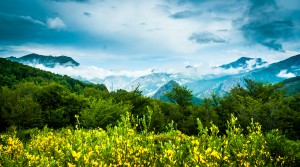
pixel 32 98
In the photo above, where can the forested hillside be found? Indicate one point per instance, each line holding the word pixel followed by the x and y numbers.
pixel 292 85
pixel 12 73
pixel 33 100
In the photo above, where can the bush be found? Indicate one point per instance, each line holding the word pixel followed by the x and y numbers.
pixel 123 146
pixel 102 113
pixel 19 109
pixel 280 146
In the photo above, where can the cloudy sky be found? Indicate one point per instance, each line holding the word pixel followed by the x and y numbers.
pixel 143 34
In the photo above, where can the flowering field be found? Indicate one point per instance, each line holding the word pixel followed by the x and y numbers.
pixel 124 146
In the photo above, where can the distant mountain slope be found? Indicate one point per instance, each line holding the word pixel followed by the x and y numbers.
pixel 149 84
pixel 190 76
pixel 161 93
pixel 12 73
pixel 292 85
pixel 245 63
pixel 47 61
pixel 273 73
pixel 279 71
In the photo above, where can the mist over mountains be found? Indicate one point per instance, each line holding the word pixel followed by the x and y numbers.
pixel 47 61
pixel 202 80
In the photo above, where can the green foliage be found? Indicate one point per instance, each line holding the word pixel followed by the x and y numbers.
pixel 205 114
pixel 59 101
pixel 180 95
pixel 59 105
pixel 263 102
pixel 102 113
pixel 95 93
pixel 19 109
pixel 158 119
pixel 134 98
pixel 54 100
pixel 280 146
pixel 12 73
pixel 122 145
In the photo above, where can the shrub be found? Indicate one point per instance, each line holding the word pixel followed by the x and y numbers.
pixel 101 113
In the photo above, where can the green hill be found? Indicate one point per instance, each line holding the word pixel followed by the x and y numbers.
pixel 292 85
pixel 12 73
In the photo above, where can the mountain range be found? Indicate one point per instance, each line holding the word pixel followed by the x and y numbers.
pixel 47 61
pixel 218 80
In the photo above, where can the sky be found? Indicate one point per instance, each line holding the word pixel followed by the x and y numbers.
pixel 147 34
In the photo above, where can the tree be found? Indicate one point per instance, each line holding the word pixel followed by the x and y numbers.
pixel 180 95
pixel 135 98
pixel 19 109
pixel 103 112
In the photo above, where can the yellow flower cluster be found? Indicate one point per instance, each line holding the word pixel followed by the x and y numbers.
pixel 123 146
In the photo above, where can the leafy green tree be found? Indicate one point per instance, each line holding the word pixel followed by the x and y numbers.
pixel 263 102
pixel 205 113
pixel 180 95
pixel 159 121
pixel 95 93
pixel 134 98
pixel 20 110
pixel 59 105
pixel 102 113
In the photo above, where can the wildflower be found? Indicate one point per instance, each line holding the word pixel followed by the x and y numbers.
pixel 195 142
pixel 202 160
pixel 170 152
pixel 90 153
pixel 215 154
pixel 239 154
pixel 225 158
pixel 208 150
pixel 195 150
pixel 71 165
pixel 246 164
pixel 76 155
pixel 86 160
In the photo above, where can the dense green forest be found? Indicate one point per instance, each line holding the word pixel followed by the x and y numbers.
pixel 32 98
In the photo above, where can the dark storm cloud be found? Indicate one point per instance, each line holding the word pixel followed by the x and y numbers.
pixel 18 29
pixel 15 27
pixel 32 8
pixel 206 37
pixel 268 33
pixel 268 24
pixel 274 45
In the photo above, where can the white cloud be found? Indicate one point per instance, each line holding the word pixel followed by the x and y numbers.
pixel 159 33
pixel 284 74
pixel 139 27
pixel 91 72
pixel 55 23
pixel 121 33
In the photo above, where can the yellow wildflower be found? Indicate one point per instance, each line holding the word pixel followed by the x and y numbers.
pixel 215 154
pixel 208 150
pixel 169 152
pixel 76 155
pixel 71 165
pixel 86 160
pixel 225 158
